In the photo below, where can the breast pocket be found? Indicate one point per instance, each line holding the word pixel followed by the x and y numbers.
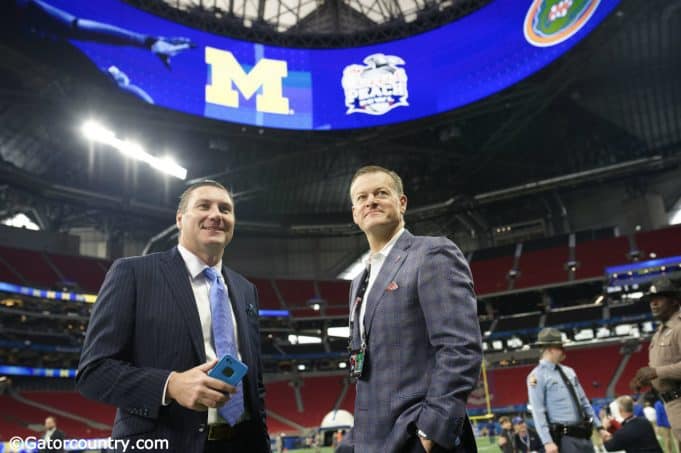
pixel 555 390
pixel 666 351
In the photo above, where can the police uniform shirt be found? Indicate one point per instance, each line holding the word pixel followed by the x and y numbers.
pixel 551 401
pixel 665 354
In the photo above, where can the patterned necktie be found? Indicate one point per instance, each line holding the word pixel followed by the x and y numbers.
pixel 223 338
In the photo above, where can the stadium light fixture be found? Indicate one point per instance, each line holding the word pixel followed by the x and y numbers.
pixel 602 332
pixel 96 132
pixel 21 220
pixel 303 339
pixel 623 329
pixel 341 332
pixel 584 335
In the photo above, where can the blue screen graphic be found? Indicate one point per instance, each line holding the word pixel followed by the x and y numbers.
pixel 185 69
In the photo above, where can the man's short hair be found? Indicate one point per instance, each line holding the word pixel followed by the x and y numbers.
pixel 626 404
pixel 184 198
pixel 504 419
pixel 397 181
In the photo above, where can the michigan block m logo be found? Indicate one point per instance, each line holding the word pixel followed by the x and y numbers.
pixel 227 74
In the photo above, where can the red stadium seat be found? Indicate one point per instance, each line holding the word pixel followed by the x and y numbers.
pixel 75 403
pixel 32 266
pixel 26 415
pixel 490 275
pixel 541 267
pixel 266 295
pixel 335 293
pixel 595 256
pixel 319 394
pixel 507 385
pixel 87 272
pixel 594 379
pixel 663 242
pixel 296 293
pixel 638 359
pixel 9 275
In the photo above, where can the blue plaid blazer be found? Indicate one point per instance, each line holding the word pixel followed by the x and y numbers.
pixel 424 350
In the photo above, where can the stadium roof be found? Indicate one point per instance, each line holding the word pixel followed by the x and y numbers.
pixel 313 23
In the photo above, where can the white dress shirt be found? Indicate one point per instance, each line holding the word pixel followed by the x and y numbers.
pixel 201 287
pixel 376 261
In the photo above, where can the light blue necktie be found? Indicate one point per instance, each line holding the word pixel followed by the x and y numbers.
pixel 223 337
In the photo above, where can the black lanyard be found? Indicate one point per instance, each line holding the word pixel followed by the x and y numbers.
pixel 356 307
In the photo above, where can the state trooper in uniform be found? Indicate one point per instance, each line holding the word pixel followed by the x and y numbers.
pixel 561 411
pixel 664 370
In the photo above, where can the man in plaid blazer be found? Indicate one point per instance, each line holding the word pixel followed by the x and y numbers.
pixel 415 338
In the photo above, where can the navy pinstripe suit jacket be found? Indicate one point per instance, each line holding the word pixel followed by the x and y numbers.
pixel 424 350
pixel 144 325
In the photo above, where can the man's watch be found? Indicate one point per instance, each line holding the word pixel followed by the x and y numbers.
pixel 421 434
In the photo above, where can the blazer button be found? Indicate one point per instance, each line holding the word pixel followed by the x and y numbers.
pixel 202 428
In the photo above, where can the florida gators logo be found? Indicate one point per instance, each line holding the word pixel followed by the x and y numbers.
pixel 550 22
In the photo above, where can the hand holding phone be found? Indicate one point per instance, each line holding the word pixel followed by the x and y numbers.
pixel 229 370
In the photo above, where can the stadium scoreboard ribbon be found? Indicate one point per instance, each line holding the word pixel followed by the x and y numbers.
pixel 185 69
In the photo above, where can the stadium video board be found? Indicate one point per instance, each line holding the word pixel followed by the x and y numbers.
pixel 203 74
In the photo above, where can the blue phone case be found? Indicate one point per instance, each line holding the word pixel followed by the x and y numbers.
pixel 229 370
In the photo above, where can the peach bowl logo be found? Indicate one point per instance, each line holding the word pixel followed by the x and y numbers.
pixel 550 22
pixel 377 86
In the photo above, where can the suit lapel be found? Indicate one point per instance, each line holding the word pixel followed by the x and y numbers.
pixel 239 301
pixel 175 272
pixel 393 262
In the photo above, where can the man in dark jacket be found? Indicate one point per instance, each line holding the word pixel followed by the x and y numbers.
pixel 505 440
pixel 526 440
pixel 636 434
pixel 53 437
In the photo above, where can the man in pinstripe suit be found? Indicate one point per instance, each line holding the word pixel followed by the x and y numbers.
pixel 149 344
pixel 415 332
